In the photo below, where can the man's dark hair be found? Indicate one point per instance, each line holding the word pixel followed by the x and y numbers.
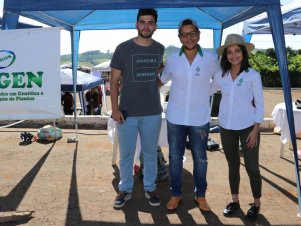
pixel 226 66
pixel 146 12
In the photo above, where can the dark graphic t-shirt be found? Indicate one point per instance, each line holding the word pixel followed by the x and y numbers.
pixel 139 94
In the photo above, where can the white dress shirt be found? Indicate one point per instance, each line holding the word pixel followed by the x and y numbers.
pixel 189 99
pixel 236 111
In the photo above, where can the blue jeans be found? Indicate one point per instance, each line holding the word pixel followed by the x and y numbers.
pixel 148 128
pixel 198 137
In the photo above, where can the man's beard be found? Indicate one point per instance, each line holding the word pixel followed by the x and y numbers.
pixel 146 36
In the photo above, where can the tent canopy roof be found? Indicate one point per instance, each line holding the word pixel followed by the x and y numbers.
pixel 291 16
pixel 21 25
pixel 84 82
pixel 121 14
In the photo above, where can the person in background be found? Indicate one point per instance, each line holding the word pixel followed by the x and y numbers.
pixel 134 76
pixel 98 100
pixel 188 112
pixel 101 97
pixel 67 102
pixel 89 107
pixel 240 114
pixel 94 100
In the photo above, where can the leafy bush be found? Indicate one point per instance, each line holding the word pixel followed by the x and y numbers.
pixel 266 64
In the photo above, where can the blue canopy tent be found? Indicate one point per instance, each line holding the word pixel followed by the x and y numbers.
pixel 21 25
pixel 291 17
pixel 78 15
pixel 84 82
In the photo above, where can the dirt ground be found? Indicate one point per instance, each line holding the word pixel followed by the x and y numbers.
pixel 275 96
pixel 75 184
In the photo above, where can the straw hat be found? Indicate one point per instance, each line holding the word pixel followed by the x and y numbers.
pixel 234 39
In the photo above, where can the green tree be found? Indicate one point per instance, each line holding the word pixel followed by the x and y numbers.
pixel 271 53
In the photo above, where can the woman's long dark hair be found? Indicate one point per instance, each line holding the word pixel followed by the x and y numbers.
pixel 225 64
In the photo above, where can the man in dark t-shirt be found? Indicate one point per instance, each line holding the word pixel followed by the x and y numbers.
pixel 135 66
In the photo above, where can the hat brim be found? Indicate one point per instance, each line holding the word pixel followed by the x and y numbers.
pixel 249 47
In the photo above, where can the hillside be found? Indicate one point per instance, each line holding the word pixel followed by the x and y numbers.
pixel 88 59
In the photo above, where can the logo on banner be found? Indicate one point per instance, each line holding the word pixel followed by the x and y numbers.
pixel 17 80
pixel 7 58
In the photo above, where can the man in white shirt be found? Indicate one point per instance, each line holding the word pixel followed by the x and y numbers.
pixel 188 112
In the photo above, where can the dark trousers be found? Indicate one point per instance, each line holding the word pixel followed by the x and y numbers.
pixel 230 141
pixel 68 111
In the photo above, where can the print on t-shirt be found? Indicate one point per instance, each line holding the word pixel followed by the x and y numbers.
pixel 145 67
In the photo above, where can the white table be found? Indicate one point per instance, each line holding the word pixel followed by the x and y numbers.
pixel 114 138
pixel 280 120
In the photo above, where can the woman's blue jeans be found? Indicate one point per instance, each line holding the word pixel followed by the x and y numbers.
pixel 148 128
pixel 198 137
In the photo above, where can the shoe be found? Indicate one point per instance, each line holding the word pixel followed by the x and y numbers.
pixel 231 208
pixel 173 203
pixel 153 198
pixel 202 204
pixel 252 212
pixel 121 199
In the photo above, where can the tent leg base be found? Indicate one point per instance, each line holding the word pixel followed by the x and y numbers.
pixel 72 140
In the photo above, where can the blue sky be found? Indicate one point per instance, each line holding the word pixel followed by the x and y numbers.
pixel 109 39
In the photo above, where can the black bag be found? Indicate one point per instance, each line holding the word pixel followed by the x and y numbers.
pixel 212 145
pixel 298 104
pixel 216 98
pixel 162 173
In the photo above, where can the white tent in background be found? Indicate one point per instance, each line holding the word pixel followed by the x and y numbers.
pixel 103 67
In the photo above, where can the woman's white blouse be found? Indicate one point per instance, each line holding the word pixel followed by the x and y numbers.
pixel 236 110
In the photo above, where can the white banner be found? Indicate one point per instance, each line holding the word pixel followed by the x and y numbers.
pixel 30 74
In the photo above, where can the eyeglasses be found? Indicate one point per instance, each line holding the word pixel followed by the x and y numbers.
pixel 192 34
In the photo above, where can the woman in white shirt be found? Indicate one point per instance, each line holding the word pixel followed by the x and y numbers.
pixel 240 114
